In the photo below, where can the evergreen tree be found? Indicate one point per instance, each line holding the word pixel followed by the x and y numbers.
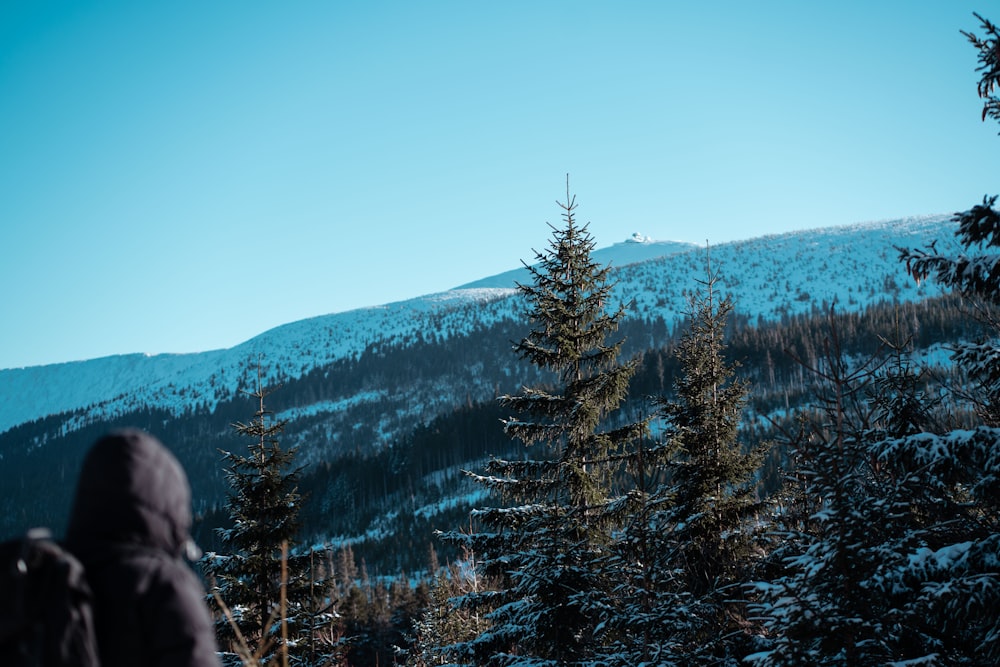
pixel 545 543
pixel 844 538
pixel 929 510
pixel 688 539
pixel 974 271
pixel 958 573
pixel 254 579
pixel 441 626
pixel 989 65
pixel 897 561
pixel 713 473
pixel 713 476
pixel 879 568
pixel 648 616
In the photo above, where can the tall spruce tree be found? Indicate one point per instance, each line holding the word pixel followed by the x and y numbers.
pixel 545 544
pixel 714 486
pixel 254 579
pixel 703 509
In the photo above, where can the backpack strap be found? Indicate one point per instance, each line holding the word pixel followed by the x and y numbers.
pixel 46 614
pixel 20 638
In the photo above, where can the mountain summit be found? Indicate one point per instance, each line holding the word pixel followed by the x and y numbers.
pixel 638 248
pixel 769 277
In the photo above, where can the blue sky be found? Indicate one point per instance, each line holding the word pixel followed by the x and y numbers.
pixel 181 176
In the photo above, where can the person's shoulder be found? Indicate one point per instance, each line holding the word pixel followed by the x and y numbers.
pixel 147 568
pixel 162 565
pixel 172 588
pixel 182 630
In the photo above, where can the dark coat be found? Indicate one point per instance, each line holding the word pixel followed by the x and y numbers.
pixel 130 527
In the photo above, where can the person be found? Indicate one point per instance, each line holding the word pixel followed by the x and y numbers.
pixel 130 527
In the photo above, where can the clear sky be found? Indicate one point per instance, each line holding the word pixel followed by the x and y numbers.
pixel 181 176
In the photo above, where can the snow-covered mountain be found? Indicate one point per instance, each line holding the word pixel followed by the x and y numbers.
pixel 769 277
pixel 638 248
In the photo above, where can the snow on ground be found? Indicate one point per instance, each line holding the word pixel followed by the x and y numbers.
pixel 330 407
pixel 770 277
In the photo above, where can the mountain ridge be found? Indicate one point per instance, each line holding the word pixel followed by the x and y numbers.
pixel 769 276
pixel 632 251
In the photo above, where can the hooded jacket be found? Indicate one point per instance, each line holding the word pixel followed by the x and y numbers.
pixel 129 526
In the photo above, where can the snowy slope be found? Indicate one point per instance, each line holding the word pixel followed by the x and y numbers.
pixel 636 249
pixel 772 276
pixel 769 277
pixel 114 385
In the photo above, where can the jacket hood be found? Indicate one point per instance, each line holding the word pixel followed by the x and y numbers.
pixel 131 490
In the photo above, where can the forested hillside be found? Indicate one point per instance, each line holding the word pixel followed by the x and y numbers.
pixel 776 452
pixel 357 384
pixel 383 436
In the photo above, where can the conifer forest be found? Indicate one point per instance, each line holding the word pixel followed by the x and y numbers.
pixel 785 493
